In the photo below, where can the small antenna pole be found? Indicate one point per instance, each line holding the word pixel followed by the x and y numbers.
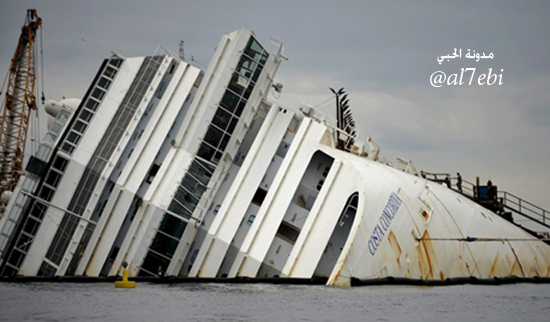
pixel 182 55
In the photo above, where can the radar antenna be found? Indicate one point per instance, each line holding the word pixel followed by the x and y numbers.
pixel 344 119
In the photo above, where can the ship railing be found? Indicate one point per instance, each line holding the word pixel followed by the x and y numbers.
pixel 468 188
pixel 524 208
pixel 504 201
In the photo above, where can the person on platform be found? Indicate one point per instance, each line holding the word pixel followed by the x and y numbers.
pixel 447 181
pixel 459 182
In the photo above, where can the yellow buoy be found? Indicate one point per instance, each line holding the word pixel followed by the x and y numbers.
pixel 125 283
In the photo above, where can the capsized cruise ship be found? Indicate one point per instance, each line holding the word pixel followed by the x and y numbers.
pixel 176 171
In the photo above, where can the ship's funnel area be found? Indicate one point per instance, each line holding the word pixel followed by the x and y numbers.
pixel 53 108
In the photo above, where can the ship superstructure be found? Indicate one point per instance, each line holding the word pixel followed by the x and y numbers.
pixel 180 172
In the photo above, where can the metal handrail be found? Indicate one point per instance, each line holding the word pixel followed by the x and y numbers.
pixel 507 200
pixel 523 206
pixel 468 188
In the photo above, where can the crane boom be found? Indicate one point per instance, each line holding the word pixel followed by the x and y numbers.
pixel 19 102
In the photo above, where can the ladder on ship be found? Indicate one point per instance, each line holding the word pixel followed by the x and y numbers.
pixel 505 204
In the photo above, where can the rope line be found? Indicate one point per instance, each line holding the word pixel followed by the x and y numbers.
pixel 484 239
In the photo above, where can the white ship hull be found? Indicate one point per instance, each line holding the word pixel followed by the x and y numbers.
pixel 180 172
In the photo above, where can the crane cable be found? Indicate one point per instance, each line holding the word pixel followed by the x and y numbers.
pixel 4 86
pixel 35 129
pixel 42 66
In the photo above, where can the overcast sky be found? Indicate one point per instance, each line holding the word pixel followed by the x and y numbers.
pixel 382 53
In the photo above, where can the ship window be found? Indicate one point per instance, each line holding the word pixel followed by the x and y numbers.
pixel 115 62
pixel 241 80
pixel 246 66
pixel 253 48
pixel 46 270
pixel 98 94
pixel 20 203
pixel 184 196
pixel 155 263
pixel 16 258
pixel 49 138
pixel 153 172
pixel 259 196
pixel 251 220
pixel 39 210
pixel 29 184
pixel 257 73
pixel 223 143
pixel 206 151
pixel 246 93
pixel 92 104
pixel 320 184
pixel 164 244
pixel 60 164
pixel 110 72
pixel 31 226
pixel 203 169
pixel 24 242
pixel 160 89
pixel 8 228
pixel 73 138
pixel 86 115
pixel 213 136
pixel 68 148
pixel 62 238
pixel 232 125
pixel 229 101
pixel 56 128
pixel 197 177
pixel 79 126
pixel 180 210
pixel 104 83
pixel 282 149
pixel 192 184
pixel 46 193
pixel 288 232
pixel 194 255
pixel 238 83
pixel 217 157
pixel 251 54
pixel 53 178
pixel 263 58
pixel 172 226
pixel 172 69
pixel 62 117
pixel 3 241
pixel 240 108
pixel 221 119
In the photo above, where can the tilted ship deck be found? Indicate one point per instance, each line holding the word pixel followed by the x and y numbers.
pixel 196 175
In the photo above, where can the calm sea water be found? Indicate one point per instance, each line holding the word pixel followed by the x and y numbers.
pixel 266 302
